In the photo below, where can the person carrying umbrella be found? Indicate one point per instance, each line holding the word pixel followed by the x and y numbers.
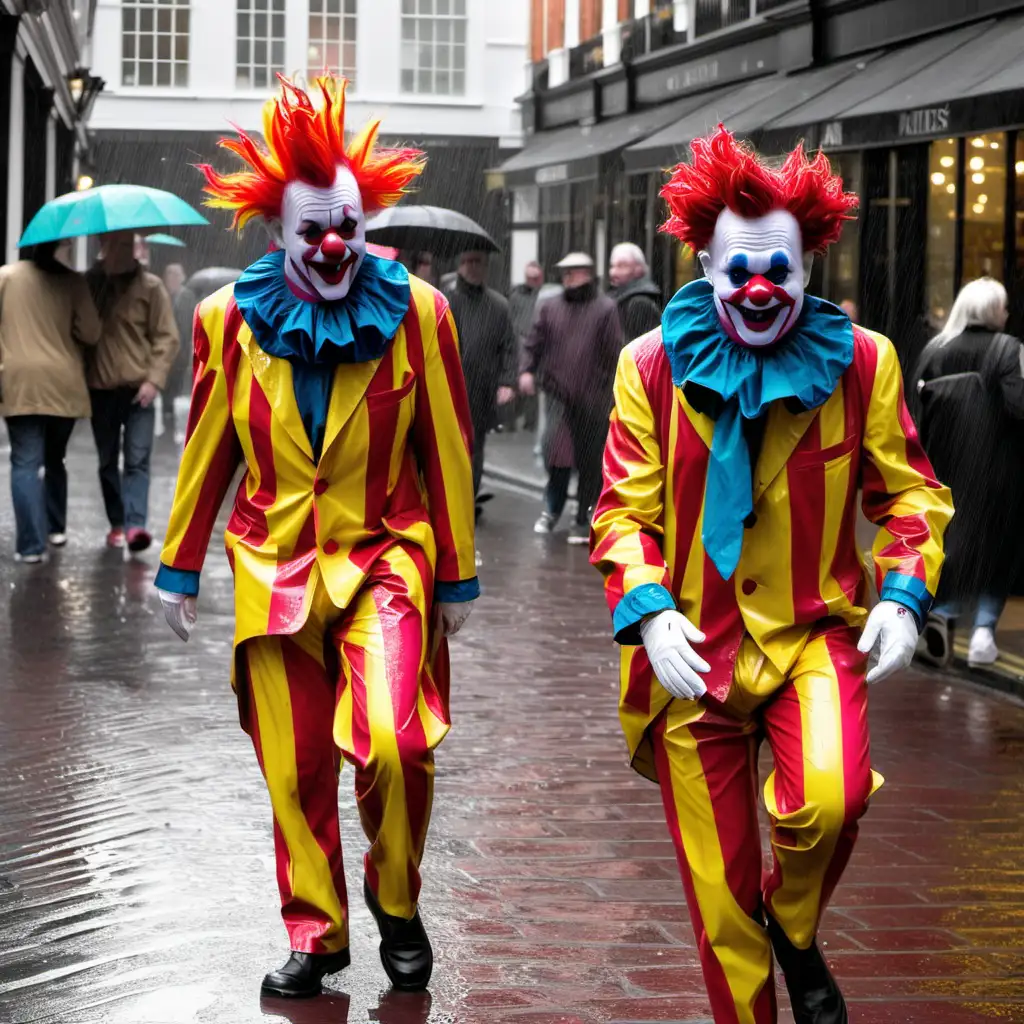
pixel 333 378
pixel 128 370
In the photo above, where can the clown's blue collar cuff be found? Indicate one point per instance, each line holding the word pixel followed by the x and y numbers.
pixel 805 365
pixel 355 329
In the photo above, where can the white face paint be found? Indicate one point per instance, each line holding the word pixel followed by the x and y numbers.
pixel 757 269
pixel 323 234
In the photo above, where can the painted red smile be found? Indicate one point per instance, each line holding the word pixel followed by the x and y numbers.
pixel 332 273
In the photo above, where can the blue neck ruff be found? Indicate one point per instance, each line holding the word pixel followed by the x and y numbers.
pixel 805 365
pixel 316 336
pixel 355 329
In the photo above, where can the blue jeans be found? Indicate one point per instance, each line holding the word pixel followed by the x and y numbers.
pixel 39 479
pixel 987 611
pixel 116 415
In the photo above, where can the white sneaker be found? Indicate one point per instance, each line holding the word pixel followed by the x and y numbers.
pixel 29 559
pixel 983 650
pixel 58 540
pixel 546 523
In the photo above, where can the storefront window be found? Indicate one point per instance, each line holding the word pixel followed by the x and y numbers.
pixel 940 257
pixel 984 206
pixel 1017 289
pixel 842 268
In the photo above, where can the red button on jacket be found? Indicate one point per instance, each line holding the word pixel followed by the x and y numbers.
pixel 331 547
pixel 319 486
pixel 749 586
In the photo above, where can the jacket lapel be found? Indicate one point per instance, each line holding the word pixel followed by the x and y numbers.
pixel 782 434
pixel 703 425
pixel 274 376
pixel 350 383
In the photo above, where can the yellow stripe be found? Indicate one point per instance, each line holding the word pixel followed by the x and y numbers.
pixel 811 828
pixel 739 943
pixel 837 482
pixel 832 419
pixel 309 871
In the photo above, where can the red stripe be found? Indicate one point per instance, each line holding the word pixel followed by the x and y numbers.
pixel 312 705
pixel 850 666
pixel 722 1004
pixel 219 471
pixel 256 507
pixel 426 446
pixel 807 529
pixel 382 427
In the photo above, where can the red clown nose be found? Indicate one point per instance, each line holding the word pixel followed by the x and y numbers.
pixel 760 290
pixel 333 246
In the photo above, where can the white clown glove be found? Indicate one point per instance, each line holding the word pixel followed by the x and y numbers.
pixel 894 629
pixel 667 638
pixel 453 615
pixel 180 612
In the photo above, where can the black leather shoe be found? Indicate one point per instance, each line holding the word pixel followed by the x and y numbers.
pixel 300 978
pixel 404 947
pixel 813 992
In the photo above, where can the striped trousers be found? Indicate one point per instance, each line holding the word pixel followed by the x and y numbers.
pixel 815 722
pixel 354 684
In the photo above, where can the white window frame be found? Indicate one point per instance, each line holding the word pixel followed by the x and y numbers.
pixel 248 71
pixel 440 28
pixel 164 18
pixel 321 23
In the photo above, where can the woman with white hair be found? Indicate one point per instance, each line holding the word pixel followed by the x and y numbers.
pixel 970 385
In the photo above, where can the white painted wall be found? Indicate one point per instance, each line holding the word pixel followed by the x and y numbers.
pixel 16 156
pixel 498 33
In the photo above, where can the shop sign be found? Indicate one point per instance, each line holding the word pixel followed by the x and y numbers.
pixel 924 121
pixel 552 175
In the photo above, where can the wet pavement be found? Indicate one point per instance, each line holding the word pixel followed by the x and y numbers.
pixel 136 870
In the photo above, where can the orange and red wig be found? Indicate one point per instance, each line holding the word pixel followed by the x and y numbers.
pixel 305 141
pixel 725 173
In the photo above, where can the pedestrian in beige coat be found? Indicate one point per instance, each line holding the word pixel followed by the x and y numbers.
pixel 46 317
pixel 130 368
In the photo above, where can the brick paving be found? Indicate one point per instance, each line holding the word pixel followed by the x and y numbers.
pixel 136 872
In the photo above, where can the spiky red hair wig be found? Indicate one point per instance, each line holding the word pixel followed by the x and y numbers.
pixel 305 141
pixel 725 173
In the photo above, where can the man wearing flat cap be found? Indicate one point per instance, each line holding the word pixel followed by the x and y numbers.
pixel 571 354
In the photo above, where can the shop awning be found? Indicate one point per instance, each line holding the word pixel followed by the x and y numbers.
pixel 927 90
pixel 668 147
pixel 569 154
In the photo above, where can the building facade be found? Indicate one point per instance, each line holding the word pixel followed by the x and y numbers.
pixel 920 105
pixel 45 98
pixel 443 74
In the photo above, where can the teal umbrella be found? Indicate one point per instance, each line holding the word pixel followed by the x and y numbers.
pixel 108 208
pixel 161 239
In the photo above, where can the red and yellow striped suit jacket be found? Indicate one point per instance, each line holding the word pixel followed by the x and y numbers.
pixel 800 563
pixel 395 465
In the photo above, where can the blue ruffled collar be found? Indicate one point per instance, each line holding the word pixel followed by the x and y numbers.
pixel 805 365
pixel 355 329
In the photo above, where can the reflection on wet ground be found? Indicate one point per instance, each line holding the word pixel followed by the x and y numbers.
pixel 136 868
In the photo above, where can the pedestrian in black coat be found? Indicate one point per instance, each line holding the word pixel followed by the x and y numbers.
pixel 970 383
pixel 488 347
pixel 637 296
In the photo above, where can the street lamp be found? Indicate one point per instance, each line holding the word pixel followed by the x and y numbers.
pixel 84 89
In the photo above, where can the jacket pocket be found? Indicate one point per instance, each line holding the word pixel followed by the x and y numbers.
pixel 833 455
pixel 380 400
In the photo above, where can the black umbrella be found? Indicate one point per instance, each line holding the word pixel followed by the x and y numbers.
pixel 430 229
pixel 206 281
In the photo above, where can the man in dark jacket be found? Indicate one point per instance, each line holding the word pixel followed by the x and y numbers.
pixel 488 348
pixel 637 296
pixel 573 349
pixel 522 301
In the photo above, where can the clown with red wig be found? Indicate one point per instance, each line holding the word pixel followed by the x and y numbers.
pixel 332 379
pixel 744 428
